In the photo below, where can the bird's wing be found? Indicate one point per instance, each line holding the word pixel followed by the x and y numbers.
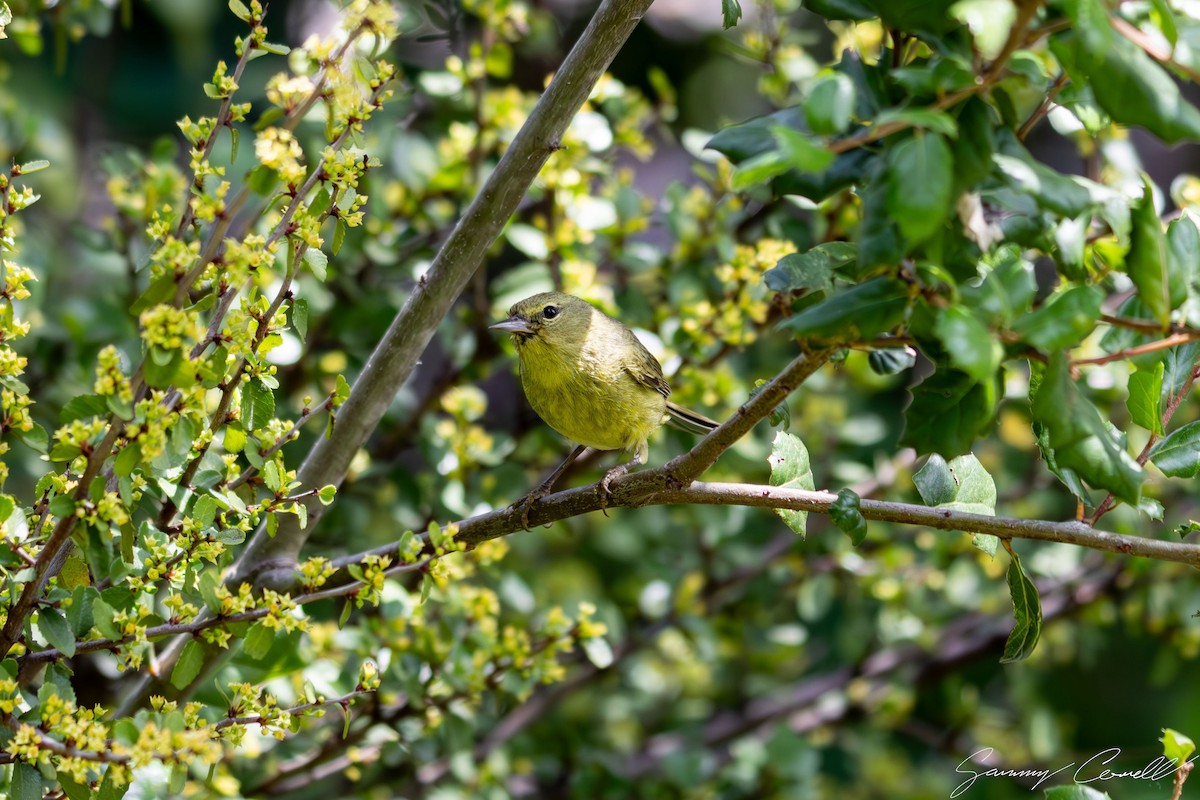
pixel 644 367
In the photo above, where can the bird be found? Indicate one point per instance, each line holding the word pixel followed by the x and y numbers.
pixel 590 379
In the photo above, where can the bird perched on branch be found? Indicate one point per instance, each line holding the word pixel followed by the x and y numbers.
pixel 587 375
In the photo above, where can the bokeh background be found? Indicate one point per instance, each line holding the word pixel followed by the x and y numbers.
pixel 748 661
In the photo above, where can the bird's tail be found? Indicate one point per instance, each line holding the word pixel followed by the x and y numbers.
pixel 688 420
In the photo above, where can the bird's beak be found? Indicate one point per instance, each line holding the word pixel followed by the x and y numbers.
pixel 512 325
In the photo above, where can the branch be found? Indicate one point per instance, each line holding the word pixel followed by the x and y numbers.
pixel 806 705
pixel 397 353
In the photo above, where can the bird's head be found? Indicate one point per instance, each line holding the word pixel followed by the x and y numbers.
pixel 550 317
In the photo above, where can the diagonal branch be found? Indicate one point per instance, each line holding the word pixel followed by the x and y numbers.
pixel 397 353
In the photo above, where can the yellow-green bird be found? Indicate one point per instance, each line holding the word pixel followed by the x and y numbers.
pixel 587 375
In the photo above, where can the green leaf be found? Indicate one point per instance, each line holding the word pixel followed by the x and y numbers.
pixel 1063 321
pixel 989 22
pixel 1066 195
pixel 128 459
pixel 327 494
pixel 160 366
pixel 230 536
pixel 1145 396
pixel 1075 792
pixel 790 469
pixel 830 104
pixel 759 169
pixel 1128 84
pixel 731 12
pixel 102 616
pixel 258 404
pixel 300 318
pixel 928 119
pixel 972 346
pixel 949 410
pixel 1147 262
pixel 811 270
pixel 258 641
pixel 84 406
pixel 1178 455
pixel 847 516
pixel 239 10
pixel 31 166
pixel 26 782
pixel 57 631
pixel 1177 747
pixel 190 662
pixel 1027 613
pixel 961 485
pixel 800 152
pixel 207 584
pixel 1080 439
pixel 110 789
pixel 318 262
pixel 862 312
pixel 923 160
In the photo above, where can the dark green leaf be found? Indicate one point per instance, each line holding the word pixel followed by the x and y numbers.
pixel 1145 396
pixel 841 9
pixel 949 410
pixel 1080 439
pixel 972 346
pixel 1129 85
pixel 731 12
pixel 1027 613
pixel 973 149
pixel 1064 320
pixel 1178 455
pixel 57 631
pixel 790 469
pixel 847 516
pixel 190 662
pixel 1006 292
pixel 860 313
pixel 812 270
pixel 1066 195
pixel 880 243
pixel 26 782
pixel 923 160
pixel 1147 262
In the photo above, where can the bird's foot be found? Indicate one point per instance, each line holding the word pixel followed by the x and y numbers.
pixel 526 503
pixel 606 484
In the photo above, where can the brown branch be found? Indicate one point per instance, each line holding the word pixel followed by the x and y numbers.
pixel 1151 48
pixel 266 558
pixel 1173 340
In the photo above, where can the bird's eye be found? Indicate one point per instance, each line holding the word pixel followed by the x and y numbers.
pixel 549 312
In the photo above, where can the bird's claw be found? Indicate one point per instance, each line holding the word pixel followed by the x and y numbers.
pixel 526 503
pixel 606 493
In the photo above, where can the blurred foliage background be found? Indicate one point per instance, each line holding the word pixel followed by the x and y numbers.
pixel 740 659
